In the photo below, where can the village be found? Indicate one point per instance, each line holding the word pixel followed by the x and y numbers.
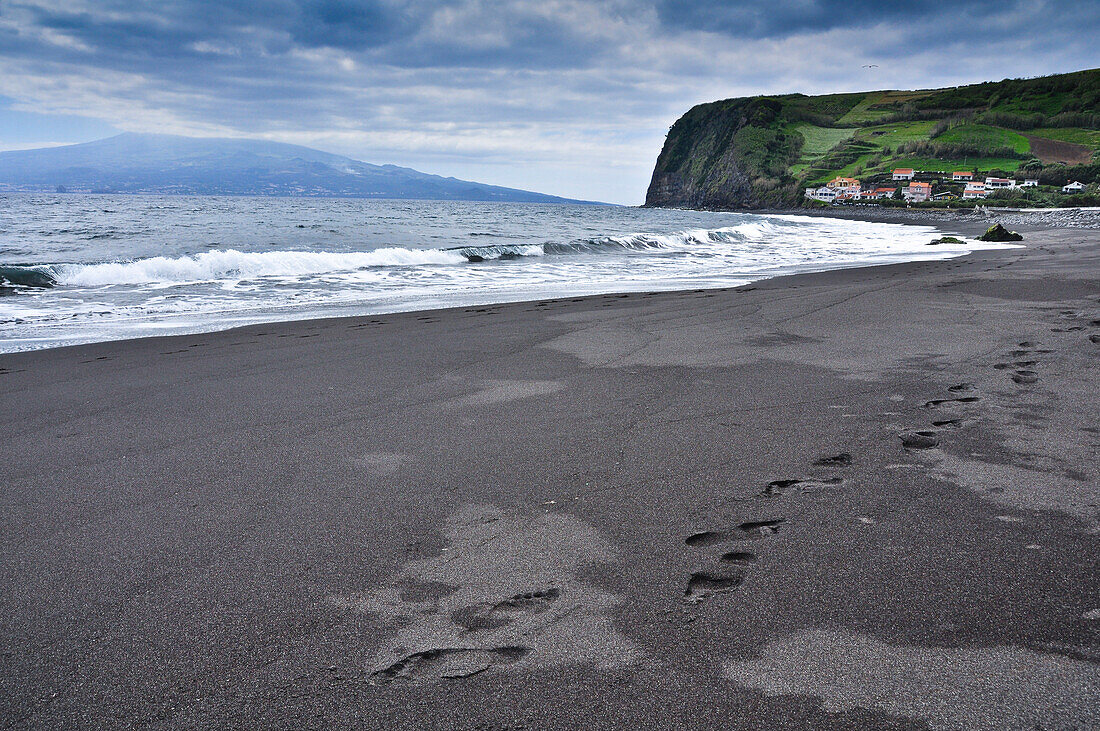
pixel 841 190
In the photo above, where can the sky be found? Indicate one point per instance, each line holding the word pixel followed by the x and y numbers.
pixel 569 97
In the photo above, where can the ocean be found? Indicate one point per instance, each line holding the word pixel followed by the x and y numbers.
pixel 87 268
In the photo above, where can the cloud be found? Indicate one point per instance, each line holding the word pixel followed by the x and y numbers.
pixel 570 96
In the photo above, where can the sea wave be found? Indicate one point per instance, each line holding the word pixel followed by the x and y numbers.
pixel 218 265
pixel 231 264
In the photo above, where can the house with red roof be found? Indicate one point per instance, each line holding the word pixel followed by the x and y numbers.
pixel 904 174
pixel 974 190
pixel 917 192
pixel 849 186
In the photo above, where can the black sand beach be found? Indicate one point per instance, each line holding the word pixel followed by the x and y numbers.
pixel 858 499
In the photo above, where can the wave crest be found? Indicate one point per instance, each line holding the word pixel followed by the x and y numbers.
pixel 232 264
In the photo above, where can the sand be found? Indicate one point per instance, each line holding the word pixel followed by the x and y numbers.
pixel 858 499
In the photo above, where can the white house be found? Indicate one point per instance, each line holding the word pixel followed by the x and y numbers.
pixel 1074 187
pixel 824 193
pixel 917 192
pixel 1000 183
pixel 962 176
pixel 1030 183
pixel 974 190
pixel 904 174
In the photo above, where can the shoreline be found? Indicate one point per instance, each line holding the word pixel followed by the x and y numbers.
pixel 861 498
pixel 966 228
pixel 243 329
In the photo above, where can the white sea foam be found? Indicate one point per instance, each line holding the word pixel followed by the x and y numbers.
pixel 212 266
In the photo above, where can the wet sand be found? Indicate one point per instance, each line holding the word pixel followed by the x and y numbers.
pixel 858 499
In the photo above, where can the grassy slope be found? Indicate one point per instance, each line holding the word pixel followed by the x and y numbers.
pixel 980 127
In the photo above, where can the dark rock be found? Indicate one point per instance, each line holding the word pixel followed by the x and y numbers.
pixel 997 232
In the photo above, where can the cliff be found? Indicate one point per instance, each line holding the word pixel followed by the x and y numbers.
pixel 754 152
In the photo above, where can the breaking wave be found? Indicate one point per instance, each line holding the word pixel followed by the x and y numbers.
pixel 233 264
pixel 218 265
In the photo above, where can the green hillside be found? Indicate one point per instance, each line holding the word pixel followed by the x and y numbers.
pixel 762 151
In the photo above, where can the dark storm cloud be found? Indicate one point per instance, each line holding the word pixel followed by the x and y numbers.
pixel 780 18
pixel 409 34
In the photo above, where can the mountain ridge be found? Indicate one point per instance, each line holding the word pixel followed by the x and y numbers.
pixel 170 164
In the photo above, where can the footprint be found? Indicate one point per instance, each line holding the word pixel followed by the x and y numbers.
pixel 1014 364
pixel 1025 377
pixel 844 458
pixel 919 439
pixel 535 600
pixel 934 403
pixel 961 388
pixel 750 530
pixel 448 662
pixel 705 584
pixel 779 487
pixel 490 616
pixel 757 529
pixel 1094 338
pixel 949 423
pixel 741 558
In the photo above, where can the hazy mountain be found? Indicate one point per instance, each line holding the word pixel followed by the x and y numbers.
pixel 143 163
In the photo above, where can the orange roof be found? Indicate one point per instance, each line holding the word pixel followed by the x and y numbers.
pixel 903 170
pixel 961 174
pixel 920 185
pixel 885 190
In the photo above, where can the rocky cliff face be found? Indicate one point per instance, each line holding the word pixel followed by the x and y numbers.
pixel 724 155
pixel 724 187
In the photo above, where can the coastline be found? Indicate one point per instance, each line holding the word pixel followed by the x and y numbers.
pixel 437 302
pixel 587 511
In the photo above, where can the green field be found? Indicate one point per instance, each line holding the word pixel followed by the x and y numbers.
pixel 878 104
pixel 984 135
pixel 1049 103
pixel 863 111
pixel 818 141
pixel 892 135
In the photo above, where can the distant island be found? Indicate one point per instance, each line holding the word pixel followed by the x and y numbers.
pixel 1017 142
pixel 168 164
